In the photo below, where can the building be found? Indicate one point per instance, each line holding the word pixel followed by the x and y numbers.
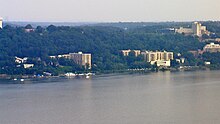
pixel 53 57
pixel 82 59
pixel 212 48
pixel 137 52
pixel 159 58
pixel 28 65
pixel 186 31
pixel 1 23
pixel 127 52
pixel 197 30
pixel 67 56
pixel 21 60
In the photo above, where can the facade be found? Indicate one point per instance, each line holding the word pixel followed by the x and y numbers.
pixel 212 48
pixel 127 52
pixel 82 59
pixel 159 58
pixel 1 23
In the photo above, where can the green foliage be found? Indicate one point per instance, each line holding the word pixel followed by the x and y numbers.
pixel 104 43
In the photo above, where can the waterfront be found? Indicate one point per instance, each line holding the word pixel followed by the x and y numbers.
pixel 154 98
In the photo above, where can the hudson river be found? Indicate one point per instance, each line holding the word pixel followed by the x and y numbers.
pixel 155 98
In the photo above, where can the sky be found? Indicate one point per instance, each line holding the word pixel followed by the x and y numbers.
pixel 109 10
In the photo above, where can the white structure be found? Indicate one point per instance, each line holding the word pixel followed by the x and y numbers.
pixel 70 74
pixel 207 63
pixel 67 56
pixel 158 58
pixel 1 23
pixel 28 65
pixel 212 48
pixel 20 60
pixel 181 60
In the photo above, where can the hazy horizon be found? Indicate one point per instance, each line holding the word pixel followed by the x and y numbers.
pixel 109 11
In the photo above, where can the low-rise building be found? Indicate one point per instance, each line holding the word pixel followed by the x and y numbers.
pixel 28 65
pixel 67 56
pixel 53 57
pixel 207 63
pixel 212 48
pixel 186 31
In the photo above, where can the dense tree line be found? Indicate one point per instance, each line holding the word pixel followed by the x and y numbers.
pixel 103 42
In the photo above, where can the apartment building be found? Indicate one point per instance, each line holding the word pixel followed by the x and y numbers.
pixel 127 52
pixel 158 57
pixel 82 59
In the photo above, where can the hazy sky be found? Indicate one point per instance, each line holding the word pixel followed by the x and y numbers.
pixel 109 10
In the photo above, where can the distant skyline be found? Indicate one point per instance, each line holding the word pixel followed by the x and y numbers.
pixel 109 10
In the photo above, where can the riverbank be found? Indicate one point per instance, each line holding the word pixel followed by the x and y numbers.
pixel 118 72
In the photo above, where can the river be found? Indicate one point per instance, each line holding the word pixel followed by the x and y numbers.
pixel 154 98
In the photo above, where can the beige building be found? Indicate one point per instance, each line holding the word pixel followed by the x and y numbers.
pixel 159 58
pixel 186 31
pixel 212 48
pixel 127 52
pixel 1 23
pixel 82 59
pixel 197 29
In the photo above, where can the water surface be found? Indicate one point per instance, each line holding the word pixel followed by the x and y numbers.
pixel 157 98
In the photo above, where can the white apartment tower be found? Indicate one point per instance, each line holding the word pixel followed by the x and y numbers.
pixel 1 21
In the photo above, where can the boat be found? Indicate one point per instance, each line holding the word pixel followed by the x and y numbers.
pixel 87 76
pixel 70 74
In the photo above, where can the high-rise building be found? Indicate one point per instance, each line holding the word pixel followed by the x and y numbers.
pixel 1 21
pixel 199 30
pixel 196 27
pixel 82 59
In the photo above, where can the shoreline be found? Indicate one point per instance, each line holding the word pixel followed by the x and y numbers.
pixel 108 72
